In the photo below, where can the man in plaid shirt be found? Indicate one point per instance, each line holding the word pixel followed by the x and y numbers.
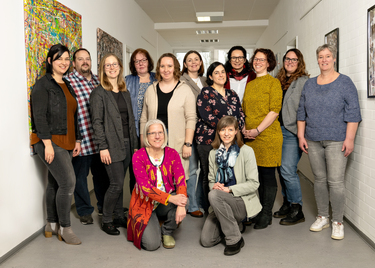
pixel 83 82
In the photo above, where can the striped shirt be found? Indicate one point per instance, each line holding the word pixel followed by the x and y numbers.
pixel 83 88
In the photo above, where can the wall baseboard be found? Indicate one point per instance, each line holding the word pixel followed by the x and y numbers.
pixel 20 245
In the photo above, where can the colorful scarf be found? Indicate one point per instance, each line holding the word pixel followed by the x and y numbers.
pixel 226 161
pixel 238 75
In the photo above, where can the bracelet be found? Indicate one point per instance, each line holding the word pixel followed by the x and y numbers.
pixel 257 130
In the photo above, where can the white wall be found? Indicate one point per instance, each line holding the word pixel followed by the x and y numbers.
pixel 351 19
pixel 23 178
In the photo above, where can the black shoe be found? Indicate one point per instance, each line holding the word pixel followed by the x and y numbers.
pixel 295 216
pixel 110 229
pixel 263 221
pixel 120 222
pixel 234 249
pixel 242 227
pixel 86 219
pixel 284 210
pixel 100 211
pixel 265 216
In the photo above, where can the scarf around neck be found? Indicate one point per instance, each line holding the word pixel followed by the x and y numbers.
pixel 238 75
pixel 226 161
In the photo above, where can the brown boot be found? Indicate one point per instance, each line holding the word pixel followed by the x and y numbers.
pixel 48 231
pixel 66 234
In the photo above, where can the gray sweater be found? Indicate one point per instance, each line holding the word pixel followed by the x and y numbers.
pixel 327 108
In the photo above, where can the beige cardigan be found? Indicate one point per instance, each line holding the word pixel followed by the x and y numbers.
pixel 246 172
pixel 181 116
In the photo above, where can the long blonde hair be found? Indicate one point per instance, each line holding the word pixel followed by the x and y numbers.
pixel 104 79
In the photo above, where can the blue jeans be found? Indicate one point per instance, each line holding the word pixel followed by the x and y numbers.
pixel 193 192
pixel 60 186
pixel 82 166
pixel 328 164
pixel 289 180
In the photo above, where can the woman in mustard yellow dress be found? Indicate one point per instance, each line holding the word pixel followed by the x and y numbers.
pixel 261 105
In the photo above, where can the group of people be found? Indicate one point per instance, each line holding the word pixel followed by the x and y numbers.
pixel 238 124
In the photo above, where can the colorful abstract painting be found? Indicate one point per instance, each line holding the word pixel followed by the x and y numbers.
pixel 107 43
pixel 47 22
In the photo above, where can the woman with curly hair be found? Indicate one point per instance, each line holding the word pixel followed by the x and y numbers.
pixel 293 77
pixel 261 105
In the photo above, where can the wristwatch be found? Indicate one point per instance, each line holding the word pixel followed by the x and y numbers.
pixel 188 144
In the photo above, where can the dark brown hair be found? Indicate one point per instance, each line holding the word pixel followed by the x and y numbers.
pixel 132 60
pixel 185 69
pixel 269 56
pixel 300 71
pixel 224 122
pixel 104 79
pixel 176 71
pixel 210 70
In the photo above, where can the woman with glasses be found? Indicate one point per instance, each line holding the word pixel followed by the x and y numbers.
pixel 115 135
pixel 141 77
pixel 239 71
pixel 56 138
pixel 293 77
pixel 192 75
pixel 328 118
pixel 214 102
pixel 261 105
pixel 173 102
pixel 159 192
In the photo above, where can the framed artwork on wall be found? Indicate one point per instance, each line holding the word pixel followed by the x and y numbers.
pixel 371 52
pixel 332 38
pixel 106 44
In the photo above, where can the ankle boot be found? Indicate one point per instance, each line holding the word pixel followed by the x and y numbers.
pixel 66 234
pixel 48 231
pixel 110 229
pixel 265 217
pixel 284 210
pixel 295 216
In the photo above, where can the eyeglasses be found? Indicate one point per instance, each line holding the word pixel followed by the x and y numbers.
pixel 237 58
pixel 261 60
pixel 114 65
pixel 137 62
pixel 294 60
pixel 153 134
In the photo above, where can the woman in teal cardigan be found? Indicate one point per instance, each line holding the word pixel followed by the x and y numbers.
pixel 233 180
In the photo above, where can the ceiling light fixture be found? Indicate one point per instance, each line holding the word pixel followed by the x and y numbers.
pixel 209 41
pixel 207 32
pixel 210 16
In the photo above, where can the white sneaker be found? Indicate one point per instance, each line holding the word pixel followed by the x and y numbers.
pixel 337 230
pixel 320 223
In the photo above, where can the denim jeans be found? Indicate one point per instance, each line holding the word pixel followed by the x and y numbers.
pixel 82 166
pixel 228 212
pixel 113 199
pixel 289 180
pixel 204 152
pixel 192 190
pixel 60 186
pixel 328 164
pixel 152 235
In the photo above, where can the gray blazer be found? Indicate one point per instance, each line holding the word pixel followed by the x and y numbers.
pixel 291 103
pixel 196 90
pixel 107 124
pixel 246 172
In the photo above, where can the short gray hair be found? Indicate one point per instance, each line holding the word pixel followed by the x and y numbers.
pixel 331 49
pixel 147 127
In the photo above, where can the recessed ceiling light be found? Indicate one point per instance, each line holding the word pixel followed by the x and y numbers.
pixel 209 41
pixel 207 32
pixel 209 16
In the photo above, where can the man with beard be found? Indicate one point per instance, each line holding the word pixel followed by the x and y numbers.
pixel 83 82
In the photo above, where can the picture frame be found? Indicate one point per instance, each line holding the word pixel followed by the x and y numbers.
pixel 371 52
pixel 332 38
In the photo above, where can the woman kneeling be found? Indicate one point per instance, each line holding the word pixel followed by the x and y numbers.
pixel 233 180
pixel 159 192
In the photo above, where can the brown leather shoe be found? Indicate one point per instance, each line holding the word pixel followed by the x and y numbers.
pixel 196 214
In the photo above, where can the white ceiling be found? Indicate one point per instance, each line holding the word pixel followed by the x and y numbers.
pixel 243 23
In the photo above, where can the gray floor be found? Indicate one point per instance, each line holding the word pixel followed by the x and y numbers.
pixel 275 246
